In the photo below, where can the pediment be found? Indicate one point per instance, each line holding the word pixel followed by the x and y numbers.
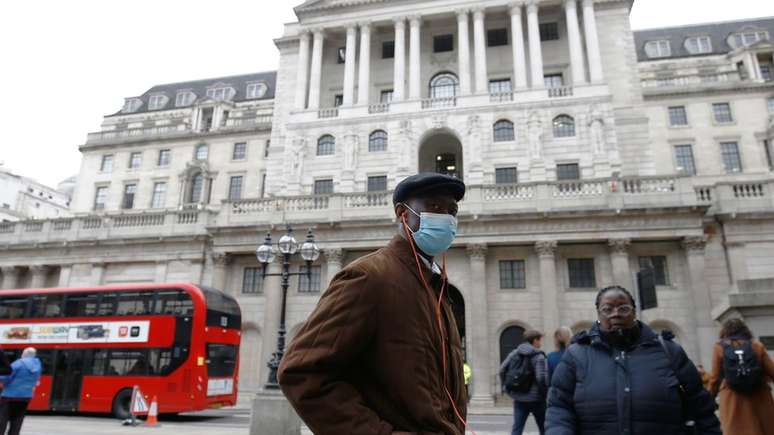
pixel 317 5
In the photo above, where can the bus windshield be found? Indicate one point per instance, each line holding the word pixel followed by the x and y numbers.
pixel 222 309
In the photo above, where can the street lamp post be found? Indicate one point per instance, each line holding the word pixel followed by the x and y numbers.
pixel 287 247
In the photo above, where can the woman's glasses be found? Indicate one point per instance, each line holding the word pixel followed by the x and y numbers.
pixel 609 310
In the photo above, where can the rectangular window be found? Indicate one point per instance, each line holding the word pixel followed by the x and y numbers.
pixel 341 55
pixel 388 49
pixel 377 183
pixel 266 148
pixel 500 86
pixel 235 188
pixel 338 100
pixel 496 37
pixel 13 307
pixel 678 116
pixel 127 362
pixel 159 197
pixel 567 172
pixel 310 284
pixel 766 72
pixel 443 43
pixel 263 185
pixel 156 102
pixel 100 197
pixel 512 274
pixel 581 272
pixel 684 159
pixel 323 187
pixel 252 280
pixel 240 148
pixel 722 112
pixel 699 45
pixel 135 304
pixel 256 90
pixel 184 99
pixel 107 163
pixel 129 191
pixel 549 31
pixel 506 175
pixel 659 266
pixel 731 159
pixel 767 148
pixel 164 157
pixel 82 305
pixel 135 160
pixel 553 81
pixel 655 49
pixel 770 105
pixel 386 96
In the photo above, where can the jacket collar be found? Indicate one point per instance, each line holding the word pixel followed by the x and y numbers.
pixel 400 248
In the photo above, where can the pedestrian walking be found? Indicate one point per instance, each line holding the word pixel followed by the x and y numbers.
pixel 562 337
pixel 467 373
pixel 620 377
pixel 381 352
pixel 18 387
pixel 741 373
pixel 524 377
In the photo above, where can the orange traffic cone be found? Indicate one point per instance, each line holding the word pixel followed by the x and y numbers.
pixel 153 413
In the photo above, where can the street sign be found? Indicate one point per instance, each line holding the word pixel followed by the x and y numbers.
pixel 646 284
pixel 139 405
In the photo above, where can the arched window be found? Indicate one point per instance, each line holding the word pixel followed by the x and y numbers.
pixel 510 339
pixel 326 145
pixel 503 131
pixel 377 141
pixel 564 126
pixel 444 85
pixel 202 151
pixel 197 186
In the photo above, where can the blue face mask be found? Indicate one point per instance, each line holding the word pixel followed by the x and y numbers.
pixel 436 232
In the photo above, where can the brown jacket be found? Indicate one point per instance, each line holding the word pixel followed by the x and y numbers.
pixel 368 359
pixel 744 413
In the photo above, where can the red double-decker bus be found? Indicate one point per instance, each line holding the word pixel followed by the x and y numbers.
pixel 178 342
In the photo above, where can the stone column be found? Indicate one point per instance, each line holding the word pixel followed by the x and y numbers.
pixel 399 72
pixel 364 79
pixel 517 44
pixel 700 294
pixel 98 273
pixel 619 257
pixel 334 259
pixel 273 292
pixel 479 44
pixel 592 42
pixel 463 52
pixel 737 262
pixel 478 354
pixel 160 274
pixel 349 66
pixel 315 78
pixel 65 272
pixel 548 289
pixel 39 274
pixel 577 64
pixel 535 48
pixel 10 277
pixel 302 75
pixel 220 262
pixel 415 76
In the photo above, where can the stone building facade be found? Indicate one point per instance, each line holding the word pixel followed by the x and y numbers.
pixel 563 122
pixel 24 198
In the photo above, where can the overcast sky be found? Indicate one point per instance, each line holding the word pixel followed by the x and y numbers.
pixel 68 63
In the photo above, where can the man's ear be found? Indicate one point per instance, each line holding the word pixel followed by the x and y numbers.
pixel 400 210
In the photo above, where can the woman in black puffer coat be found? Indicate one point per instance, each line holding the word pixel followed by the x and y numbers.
pixel 620 378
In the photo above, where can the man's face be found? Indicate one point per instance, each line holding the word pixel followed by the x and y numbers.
pixel 440 203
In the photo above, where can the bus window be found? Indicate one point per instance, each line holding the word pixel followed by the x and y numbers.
pixel 38 306
pixel 221 359
pixel 13 307
pixel 134 303
pixel 175 302
pixel 46 357
pixel 160 362
pixel 53 305
pixel 99 362
pixel 12 354
pixel 132 362
pixel 81 304
pixel 222 309
pixel 107 305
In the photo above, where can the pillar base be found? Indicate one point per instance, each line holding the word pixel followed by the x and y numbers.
pixel 273 415
pixel 478 402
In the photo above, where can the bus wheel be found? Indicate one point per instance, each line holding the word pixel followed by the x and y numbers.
pixel 121 404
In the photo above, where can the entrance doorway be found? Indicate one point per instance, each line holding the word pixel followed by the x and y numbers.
pixel 441 153
pixel 68 377
pixel 510 339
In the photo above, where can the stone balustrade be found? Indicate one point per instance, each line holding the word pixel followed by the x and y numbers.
pixel 561 91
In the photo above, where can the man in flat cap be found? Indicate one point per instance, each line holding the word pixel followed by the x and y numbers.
pixel 381 354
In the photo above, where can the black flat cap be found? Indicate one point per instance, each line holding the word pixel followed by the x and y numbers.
pixel 425 183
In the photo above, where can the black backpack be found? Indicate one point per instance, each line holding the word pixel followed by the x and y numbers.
pixel 741 367
pixel 520 374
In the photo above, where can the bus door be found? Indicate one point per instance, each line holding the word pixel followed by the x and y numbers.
pixel 67 379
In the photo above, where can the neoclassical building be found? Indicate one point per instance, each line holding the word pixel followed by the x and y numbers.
pixel 590 151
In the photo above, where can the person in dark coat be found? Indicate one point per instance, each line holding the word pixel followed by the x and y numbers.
pixel 562 337
pixel 532 401
pixel 381 352
pixel 620 378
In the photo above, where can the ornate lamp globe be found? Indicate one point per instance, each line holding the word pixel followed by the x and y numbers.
pixel 265 253
pixel 287 244
pixel 309 249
